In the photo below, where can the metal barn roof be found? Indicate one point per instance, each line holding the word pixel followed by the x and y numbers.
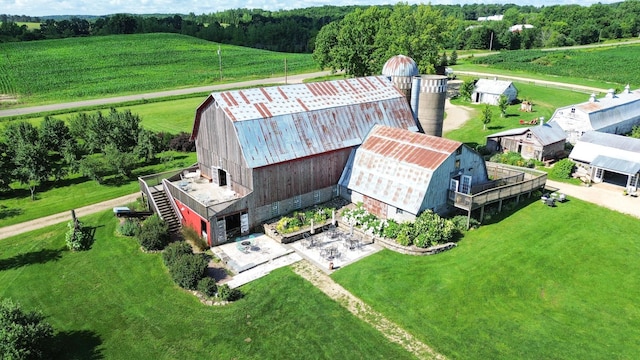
pixel 492 86
pixel 395 166
pixel 548 133
pixel 606 111
pixel 283 123
pixel 594 144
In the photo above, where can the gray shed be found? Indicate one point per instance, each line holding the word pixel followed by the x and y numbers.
pixel 541 142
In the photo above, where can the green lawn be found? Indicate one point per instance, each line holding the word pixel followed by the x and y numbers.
pixel 99 66
pixel 115 302
pixel 540 283
pixel 17 206
pixel 545 101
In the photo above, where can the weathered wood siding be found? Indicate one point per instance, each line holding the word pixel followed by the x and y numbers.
pixel 217 148
pixel 288 179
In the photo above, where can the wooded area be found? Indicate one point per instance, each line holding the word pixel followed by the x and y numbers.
pixel 296 30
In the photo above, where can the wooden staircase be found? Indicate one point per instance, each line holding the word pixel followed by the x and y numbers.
pixel 165 211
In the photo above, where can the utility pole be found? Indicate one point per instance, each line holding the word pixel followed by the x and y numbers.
pixel 220 62
pixel 491 42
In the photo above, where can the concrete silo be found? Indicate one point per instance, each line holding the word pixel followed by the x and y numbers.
pixel 428 96
pixel 401 69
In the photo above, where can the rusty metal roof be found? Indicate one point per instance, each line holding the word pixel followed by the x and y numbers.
pixel 281 123
pixel 396 166
pixel 400 65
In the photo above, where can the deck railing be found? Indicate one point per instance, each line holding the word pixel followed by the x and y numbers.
pixel 529 180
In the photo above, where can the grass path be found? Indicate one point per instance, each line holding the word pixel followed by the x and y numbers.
pixel 391 331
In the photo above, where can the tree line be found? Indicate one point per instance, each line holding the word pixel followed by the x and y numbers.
pixel 99 146
pixel 297 30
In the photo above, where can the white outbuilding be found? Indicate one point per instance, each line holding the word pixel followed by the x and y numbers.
pixel 614 114
pixel 488 91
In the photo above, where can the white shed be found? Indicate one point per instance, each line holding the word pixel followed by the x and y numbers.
pixel 488 91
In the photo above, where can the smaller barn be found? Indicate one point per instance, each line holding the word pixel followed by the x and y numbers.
pixel 541 142
pixel 397 174
pixel 488 91
pixel 614 114
pixel 609 158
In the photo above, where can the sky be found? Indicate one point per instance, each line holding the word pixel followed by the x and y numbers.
pixel 107 7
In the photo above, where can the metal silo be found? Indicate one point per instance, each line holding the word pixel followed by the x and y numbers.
pixel 401 69
pixel 432 95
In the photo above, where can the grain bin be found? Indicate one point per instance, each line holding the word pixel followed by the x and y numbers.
pixel 427 101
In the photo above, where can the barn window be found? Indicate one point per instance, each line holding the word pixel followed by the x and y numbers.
pixel 399 211
pixel 457 164
pixel 573 110
pixel 459 150
pixel 528 135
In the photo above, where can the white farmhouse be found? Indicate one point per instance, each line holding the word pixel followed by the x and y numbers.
pixel 614 114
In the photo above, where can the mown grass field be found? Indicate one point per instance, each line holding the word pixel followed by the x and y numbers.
pixel 115 302
pixel 76 191
pixel 540 283
pixel 72 69
pixel 545 101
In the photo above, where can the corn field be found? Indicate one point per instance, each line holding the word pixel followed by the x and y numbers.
pixel 82 68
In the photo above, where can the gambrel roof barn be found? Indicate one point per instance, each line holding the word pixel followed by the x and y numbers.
pixel 398 174
pixel 282 148
pixel 614 114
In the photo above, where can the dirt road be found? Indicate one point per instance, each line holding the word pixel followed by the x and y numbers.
pixel 291 79
pixel 16 229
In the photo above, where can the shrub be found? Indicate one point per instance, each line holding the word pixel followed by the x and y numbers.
pixel 174 251
pixel 182 142
pixel 187 270
pixel 392 230
pixel 77 237
pixel 129 227
pixel 562 169
pixel 404 234
pixel 460 223
pixel 208 286
pixel 153 234
pixel 192 235
pixel 23 335
pixel 226 293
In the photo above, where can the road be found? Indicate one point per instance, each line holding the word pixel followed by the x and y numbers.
pixel 554 84
pixel 290 79
pixel 26 226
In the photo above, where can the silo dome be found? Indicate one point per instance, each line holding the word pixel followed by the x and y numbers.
pixel 400 65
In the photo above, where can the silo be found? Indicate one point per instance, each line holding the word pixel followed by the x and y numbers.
pixel 401 69
pixel 432 96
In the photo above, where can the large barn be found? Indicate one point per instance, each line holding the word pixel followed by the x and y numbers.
pixel 397 174
pixel 614 114
pixel 269 151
